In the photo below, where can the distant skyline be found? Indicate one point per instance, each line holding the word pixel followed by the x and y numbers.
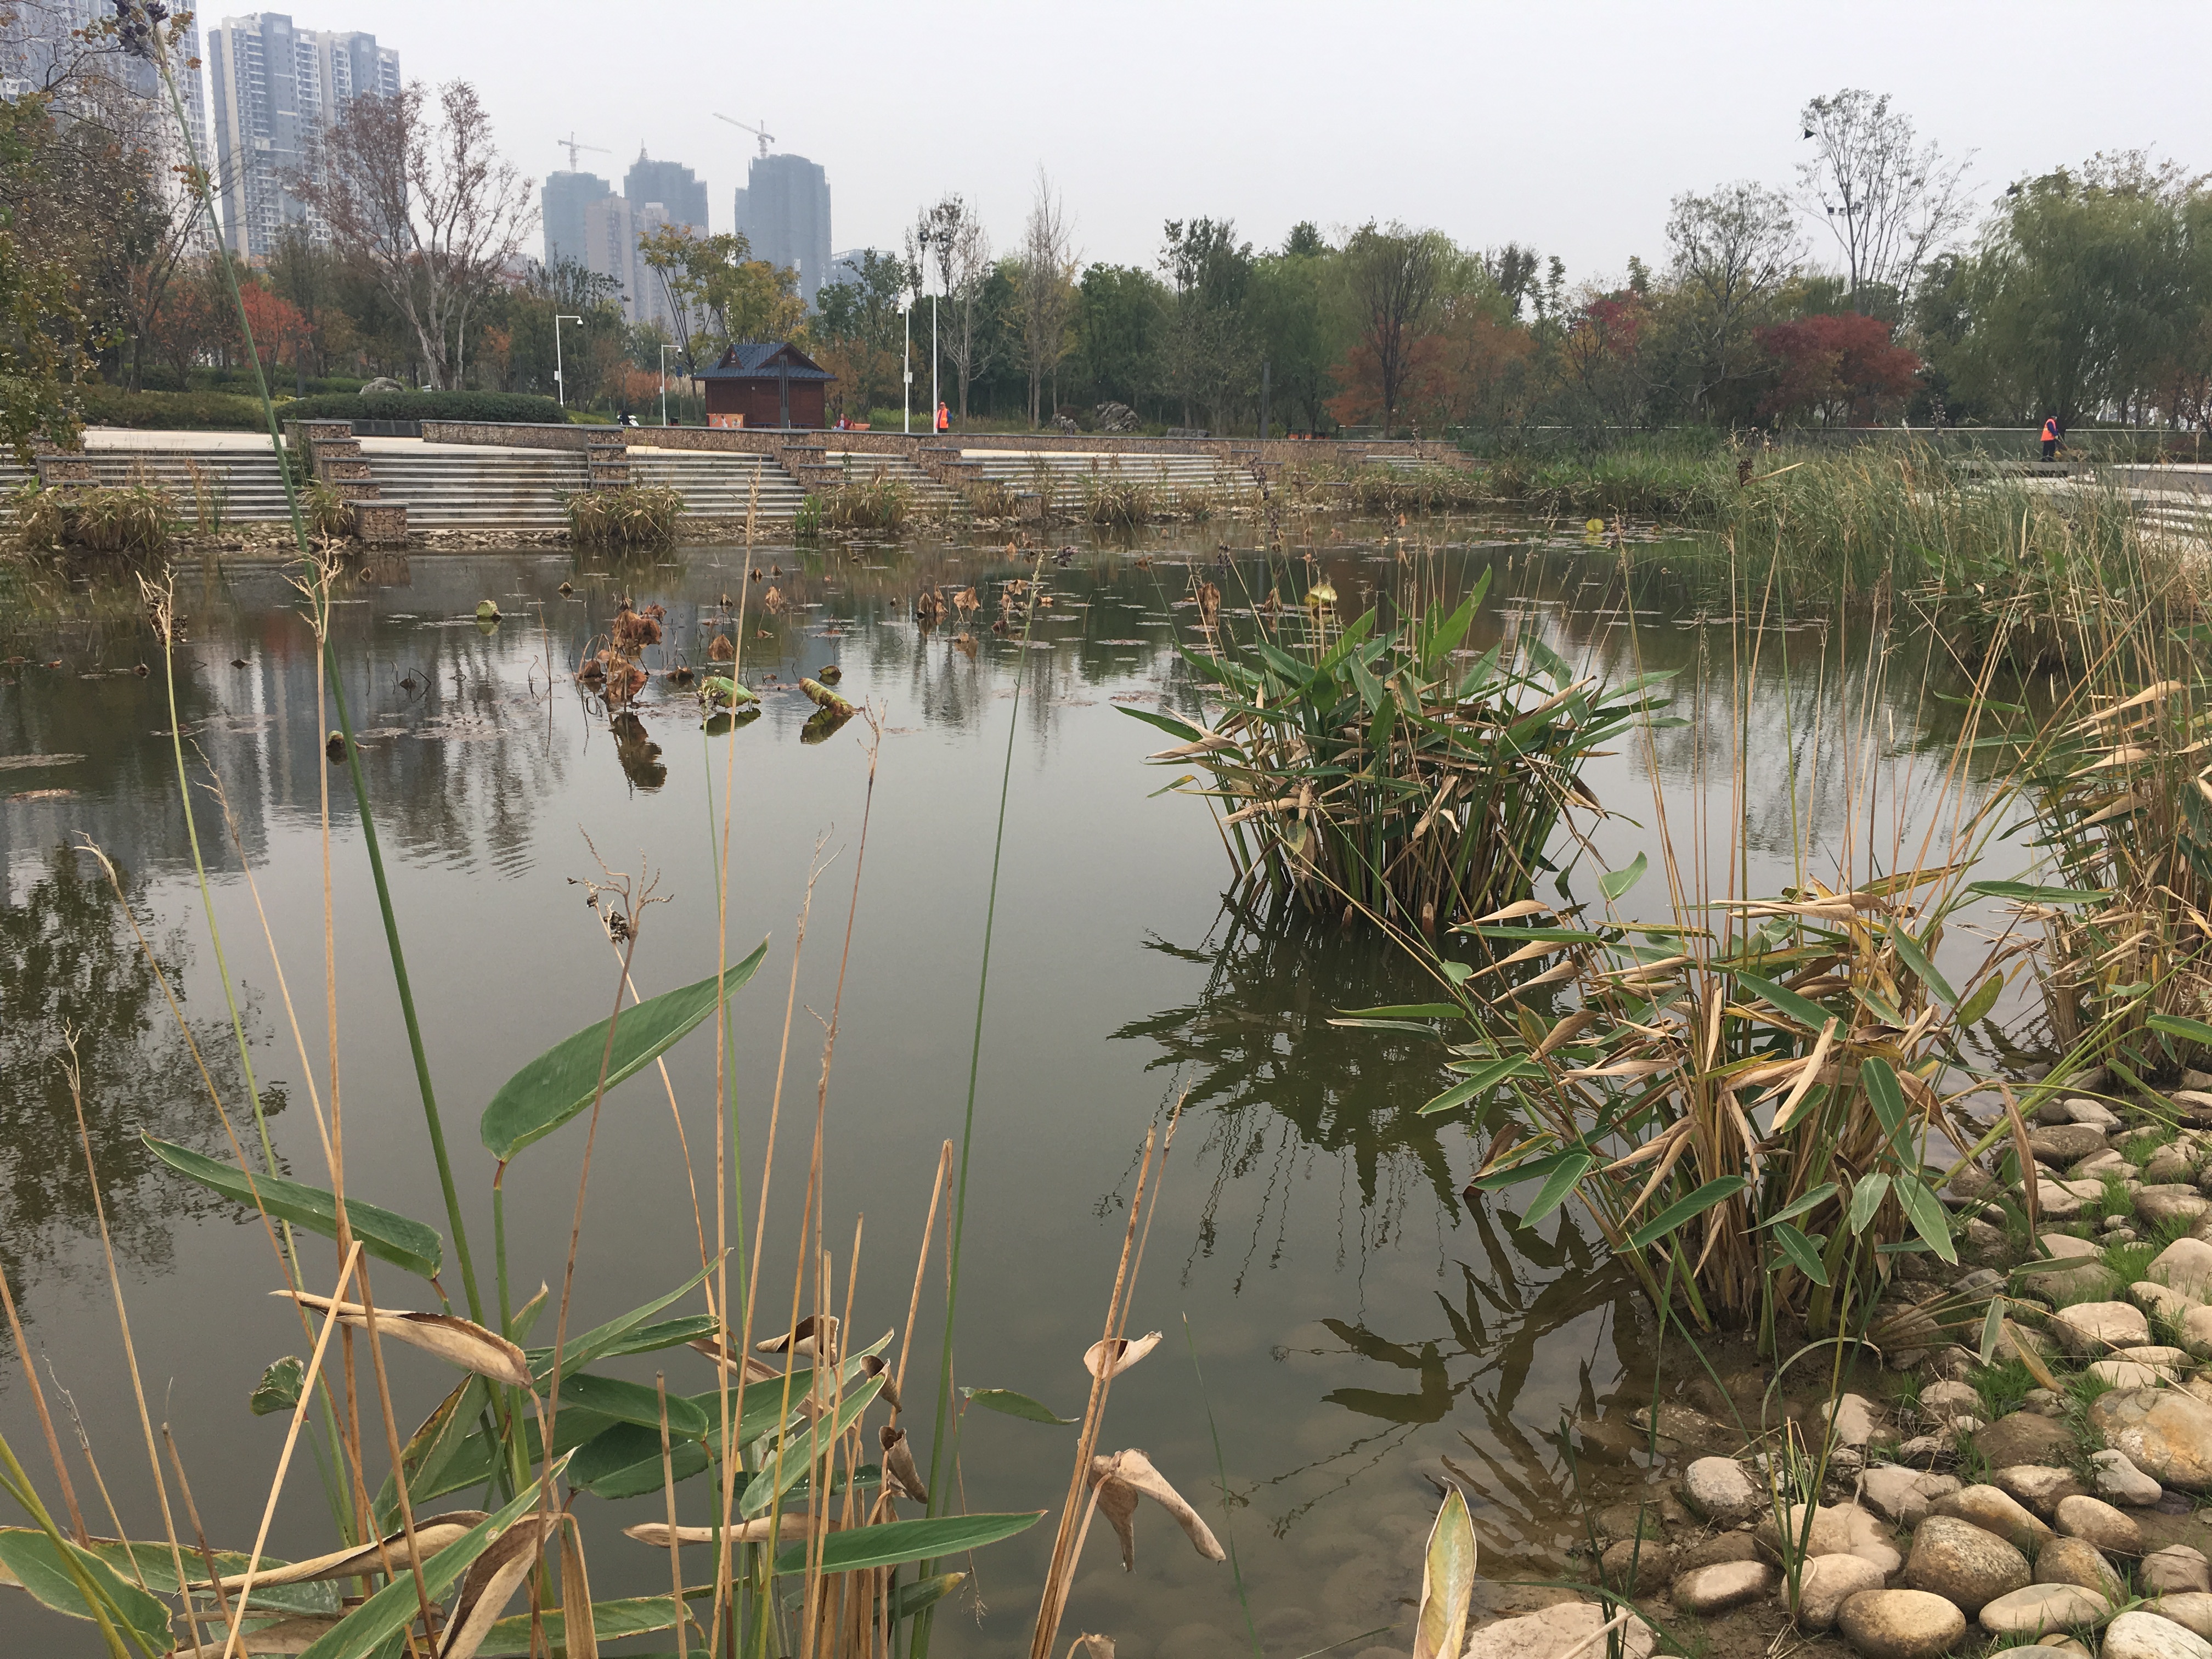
pixel 1567 127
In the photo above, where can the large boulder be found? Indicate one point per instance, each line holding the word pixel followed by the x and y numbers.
pixel 2094 1519
pixel 2040 1609
pixel 1900 1624
pixel 2137 1635
pixel 1827 1582
pixel 2165 1432
pixel 1959 1561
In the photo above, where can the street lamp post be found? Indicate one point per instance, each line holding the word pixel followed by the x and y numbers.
pixel 905 417
pixel 560 386
pixel 665 350
pixel 930 289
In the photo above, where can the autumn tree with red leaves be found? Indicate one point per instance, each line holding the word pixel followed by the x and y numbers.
pixel 1836 368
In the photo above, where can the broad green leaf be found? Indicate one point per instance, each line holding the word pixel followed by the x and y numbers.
pixel 1716 1191
pixel 631 1403
pixel 560 1083
pixel 1804 1253
pixel 666 1333
pixel 1406 1011
pixel 1993 1327
pixel 386 1237
pixel 432 1452
pixel 1909 952
pixel 384 1614
pixel 29 1555
pixel 1447 1581
pixel 2027 892
pixel 1806 1011
pixel 1014 1405
pixel 1865 1199
pixel 609 1337
pixel 898 1541
pixel 1883 1092
pixel 1981 1000
pixel 1521 1169
pixel 907 1599
pixel 1481 1082
pixel 2179 1025
pixel 279 1390
pixel 1556 1185
pixel 623 1461
pixel 721 690
pixel 1182 731
pixel 149 1564
pixel 638 1615
pixel 1803 1202
pixel 1614 883
pixel 1925 1211
pixel 799 1455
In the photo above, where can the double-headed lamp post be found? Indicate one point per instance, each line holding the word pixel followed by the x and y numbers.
pixel 905 310
pixel 665 350
pixel 930 288
pixel 560 387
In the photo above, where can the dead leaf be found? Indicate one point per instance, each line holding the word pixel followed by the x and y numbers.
pixel 898 1464
pixel 1124 1353
pixel 432 1534
pixel 801 1338
pixel 580 1637
pixel 1092 1647
pixel 660 1533
pixel 285 1636
pixel 491 1583
pixel 1121 1479
pixel 456 1340
pixel 872 1367
pixel 754 1370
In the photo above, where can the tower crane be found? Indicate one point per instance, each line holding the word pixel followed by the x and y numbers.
pixel 570 144
pixel 760 132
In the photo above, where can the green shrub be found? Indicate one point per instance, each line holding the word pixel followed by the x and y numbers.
pixel 328 513
pixel 190 411
pixel 637 515
pixel 506 407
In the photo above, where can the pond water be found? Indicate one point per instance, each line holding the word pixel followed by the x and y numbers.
pixel 1358 1323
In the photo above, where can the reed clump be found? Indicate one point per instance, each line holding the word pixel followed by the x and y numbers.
pixel 637 515
pixel 135 520
pixel 878 506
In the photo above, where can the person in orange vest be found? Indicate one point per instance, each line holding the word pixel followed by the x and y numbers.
pixel 2050 439
pixel 943 417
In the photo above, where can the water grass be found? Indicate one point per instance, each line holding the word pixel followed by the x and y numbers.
pixel 634 516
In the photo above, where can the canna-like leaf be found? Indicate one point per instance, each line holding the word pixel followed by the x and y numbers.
pixel 1886 1096
pixel 279 1390
pixel 1447 1581
pixel 2179 1025
pixel 386 1237
pixel 632 1403
pixel 1556 1185
pixel 2027 892
pixel 1804 1252
pixel 1614 883
pixel 609 1337
pixel 1909 952
pixel 1803 1202
pixel 1866 1201
pixel 638 1615
pixel 560 1083
pixel 1716 1191
pixel 1014 1405
pixel 1926 1213
pixel 30 1558
pixel 1981 1000
pixel 907 1599
pixel 1806 1011
pixel 896 1542
pixel 624 1460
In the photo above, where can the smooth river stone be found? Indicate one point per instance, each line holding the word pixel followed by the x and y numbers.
pixel 2131 1374
pixel 2037 1485
pixel 2041 1608
pixel 2094 1519
pixel 2165 1432
pixel 2184 1265
pixel 2025 1437
pixel 2166 1204
pixel 1722 1490
pixel 1557 1631
pixel 2077 1561
pixel 2146 1636
pixel 1959 1561
pixel 2175 1569
pixel 1732 1584
pixel 2063 1144
pixel 2191 1609
pixel 2096 1327
pixel 2119 1481
pixel 1901 1624
pixel 1902 1495
pixel 1991 1510
pixel 1827 1582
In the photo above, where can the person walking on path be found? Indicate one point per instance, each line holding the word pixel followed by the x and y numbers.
pixel 2050 439
pixel 943 417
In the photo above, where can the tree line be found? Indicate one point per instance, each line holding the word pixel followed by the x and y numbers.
pixel 1876 287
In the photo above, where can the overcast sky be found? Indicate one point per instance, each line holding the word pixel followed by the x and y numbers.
pixel 1565 126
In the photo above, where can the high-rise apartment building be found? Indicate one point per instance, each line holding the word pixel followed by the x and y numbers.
pixel 41 43
pixel 613 227
pixel 276 86
pixel 562 205
pixel 673 184
pixel 783 213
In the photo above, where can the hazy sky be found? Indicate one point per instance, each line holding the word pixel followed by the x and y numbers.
pixel 1565 125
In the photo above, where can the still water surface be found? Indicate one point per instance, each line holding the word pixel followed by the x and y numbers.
pixel 1357 1320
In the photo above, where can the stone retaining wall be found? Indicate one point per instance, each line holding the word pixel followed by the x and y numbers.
pixel 746 440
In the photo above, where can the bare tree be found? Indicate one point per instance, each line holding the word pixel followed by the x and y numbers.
pixel 428 204
pixel 959 254
pixel 1731 250
pixel 1046 291
pixel 1888 200
pixel 1392 273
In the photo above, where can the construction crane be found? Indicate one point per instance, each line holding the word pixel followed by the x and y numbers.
pixel 570 144
pixel 760 132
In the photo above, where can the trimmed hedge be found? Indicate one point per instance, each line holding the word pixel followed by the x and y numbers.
pixel 208 411
pixel 500 406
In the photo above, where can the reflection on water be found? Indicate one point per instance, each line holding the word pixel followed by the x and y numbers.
pixel 1362 1331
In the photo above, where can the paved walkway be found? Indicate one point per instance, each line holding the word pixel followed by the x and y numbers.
pixel 135 438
